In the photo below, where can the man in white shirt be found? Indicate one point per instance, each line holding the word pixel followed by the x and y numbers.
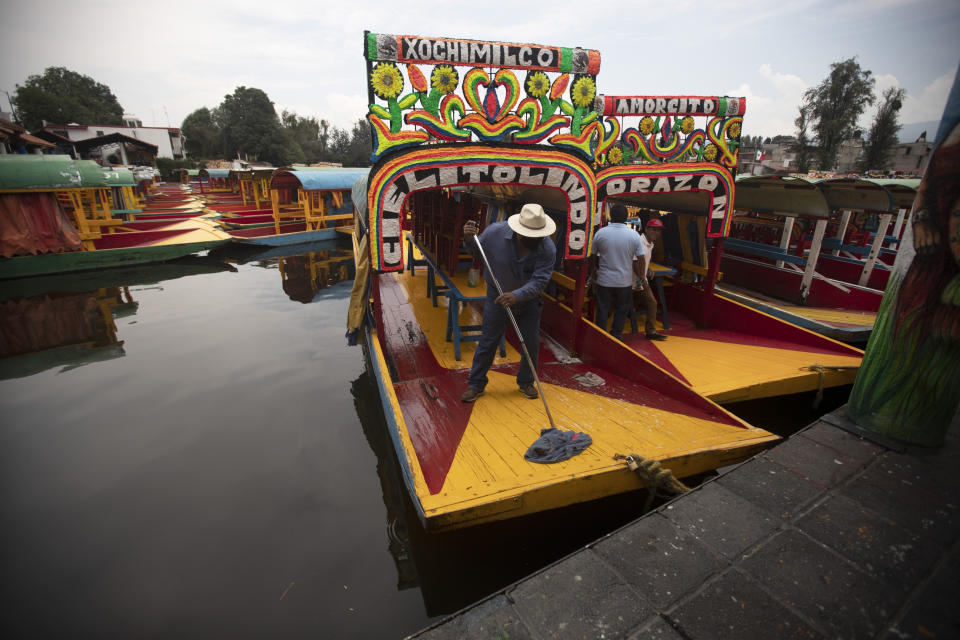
pixel 616 261
pixel 649 237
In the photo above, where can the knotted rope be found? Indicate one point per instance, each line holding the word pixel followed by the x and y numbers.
pixel 659 480
pixel 822 369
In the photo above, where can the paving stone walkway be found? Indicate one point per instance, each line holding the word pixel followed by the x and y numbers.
pixel 826 535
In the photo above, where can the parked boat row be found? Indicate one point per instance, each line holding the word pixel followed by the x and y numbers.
pixel 59 215
pixel 804 250
pixel 63 215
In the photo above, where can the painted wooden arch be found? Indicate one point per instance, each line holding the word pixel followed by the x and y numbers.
pixel 441 166
pixel 697 188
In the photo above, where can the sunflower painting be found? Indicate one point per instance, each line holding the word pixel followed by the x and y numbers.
pixel 537 84
pixel 583 92
pixel 386 80
pixel 444 78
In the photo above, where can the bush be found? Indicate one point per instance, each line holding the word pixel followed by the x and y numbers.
pixel 168 166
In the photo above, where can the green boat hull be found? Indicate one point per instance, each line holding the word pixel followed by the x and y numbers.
pixel 51 263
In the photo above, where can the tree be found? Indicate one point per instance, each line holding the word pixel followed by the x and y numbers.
pixel 324 138
pixel 358 154
pixel 834 106
pixel 64 96
pixel 202 134
pixel 339 145
pixel 249 126
pixel 305 133
pixel 883 132
pixel 804 150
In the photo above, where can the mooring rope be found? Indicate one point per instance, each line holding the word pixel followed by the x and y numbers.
pixel 656 477
pixel 822 369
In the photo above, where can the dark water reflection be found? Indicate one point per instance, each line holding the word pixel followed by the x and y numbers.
pixel 227 471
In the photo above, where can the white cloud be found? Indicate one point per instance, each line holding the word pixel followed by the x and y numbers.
pixel 927 105
pixel 772 101
pixel 931 101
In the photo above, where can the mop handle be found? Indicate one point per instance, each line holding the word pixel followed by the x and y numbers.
pixel 516 328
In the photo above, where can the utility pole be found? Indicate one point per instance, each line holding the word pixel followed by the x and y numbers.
pixel 13 111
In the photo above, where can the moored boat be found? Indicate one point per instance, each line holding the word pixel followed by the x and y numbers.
pixel 308 205
pixel 781 260
pixel 40 238
pixel 464 463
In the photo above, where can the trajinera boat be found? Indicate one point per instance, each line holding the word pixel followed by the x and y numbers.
pixel 803 250
pixel 441 158
pixel 59 215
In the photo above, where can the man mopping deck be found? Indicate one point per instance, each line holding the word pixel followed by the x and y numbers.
pixel 522 255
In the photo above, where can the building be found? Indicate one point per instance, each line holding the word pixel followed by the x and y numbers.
pixel 15 139
pixel 911 157
pixel 167 140
pixel 849 156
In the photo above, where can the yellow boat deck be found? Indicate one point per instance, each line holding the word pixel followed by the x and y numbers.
pixel 823 315
pixel 465 461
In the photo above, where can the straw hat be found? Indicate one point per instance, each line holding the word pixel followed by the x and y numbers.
pixel 532 222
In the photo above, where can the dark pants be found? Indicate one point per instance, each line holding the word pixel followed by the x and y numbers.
pixel 495 322
pixel 649 301
pixel 622 299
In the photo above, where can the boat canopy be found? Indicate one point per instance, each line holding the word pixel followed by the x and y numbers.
pixel 214 173
pixel 48 172
pixel 858 194
pixel 783 195
pixel 313 180
pixel 903 190
pixel 817 198
pixel 119 177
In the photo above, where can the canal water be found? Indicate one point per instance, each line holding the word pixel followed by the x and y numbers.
pixel 191 450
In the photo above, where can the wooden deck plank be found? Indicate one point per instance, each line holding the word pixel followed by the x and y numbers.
pixel 503 418
pixel 721 368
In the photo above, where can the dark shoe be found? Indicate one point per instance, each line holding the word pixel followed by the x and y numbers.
pixel 656 336
pixel 530 391
pixel 471 394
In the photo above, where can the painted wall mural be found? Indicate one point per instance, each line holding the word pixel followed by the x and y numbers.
pixel 908 386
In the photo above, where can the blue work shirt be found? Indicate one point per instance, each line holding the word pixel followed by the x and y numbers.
pixel 617 246
pixel 526 278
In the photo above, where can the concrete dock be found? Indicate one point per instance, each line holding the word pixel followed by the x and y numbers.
pixel 827 535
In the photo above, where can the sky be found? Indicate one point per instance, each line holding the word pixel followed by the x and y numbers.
pixel 164 60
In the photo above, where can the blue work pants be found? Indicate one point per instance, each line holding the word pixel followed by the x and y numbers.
pixel 495 322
